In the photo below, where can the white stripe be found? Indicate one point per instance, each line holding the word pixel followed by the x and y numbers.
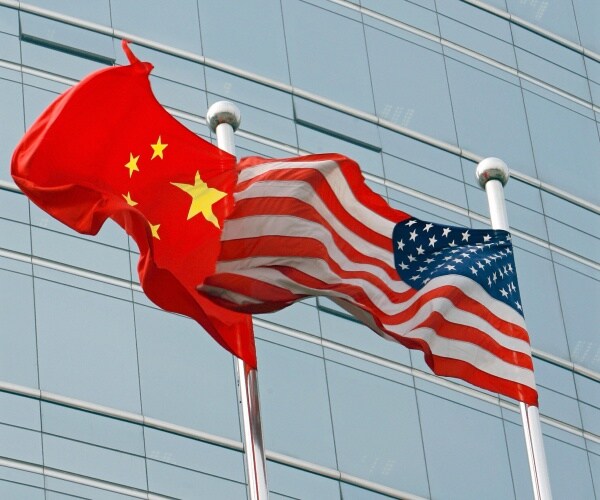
pixel 440 346
pixel 339 185
pixel 474 355
pixel 303 191
pixel 442 305
pixel 259 268
pixel 294 227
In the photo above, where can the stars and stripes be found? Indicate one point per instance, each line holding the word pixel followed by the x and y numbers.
pixel 310 226
pixel 424 251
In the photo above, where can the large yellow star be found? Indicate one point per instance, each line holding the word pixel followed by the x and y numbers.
pixel 154 229
pixel 128 199
pixel 158 148
pixel 132 164
pixel 203 198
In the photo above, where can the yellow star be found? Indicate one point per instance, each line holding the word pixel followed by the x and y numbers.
pixel 128 199
pixel 158 149
pixel 203 198
pixel 132 164
pixel 154 229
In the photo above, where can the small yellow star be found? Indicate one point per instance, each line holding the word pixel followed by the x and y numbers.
pixel 154 229
pixel 158 149
pixel 128 199
pixel 132 164
pixel 203 198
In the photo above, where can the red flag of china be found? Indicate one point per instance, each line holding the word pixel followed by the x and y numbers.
pixel 107 148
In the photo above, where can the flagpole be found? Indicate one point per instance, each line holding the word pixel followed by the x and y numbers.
pixel 223 118
pixel 493 174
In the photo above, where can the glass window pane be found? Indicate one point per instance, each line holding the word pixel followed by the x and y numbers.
pixel 568 461
pixel 294 404
pixel 377 431
pixel 557 17
pixel 558 159
pixel 20 411
pixel 61 36
pixel 477 30
pixel 412 92
pixel 587 13
pixel 425 181
pixel 407 12
pixel 9 20
pixel 490 116
pixel 172 23
pixel 233 87
pixel 11 126
pixel 543 317
pixel 87 346
pixel 254 39
pixel 453 430
pixel 288 482
pixel 178 482
pixel 21 444
pixel 22 477
pixel 95 462
pixel 15 490
pixel 186 377
pixel 81 253
pixel 94 429
pixel 97 11
pixel 193 454
pixel 580 296
pixel 349 332
pixel 18 357
pixel 69 489
pixel 341 72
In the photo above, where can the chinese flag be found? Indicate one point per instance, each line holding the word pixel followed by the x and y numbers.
pixel 107 148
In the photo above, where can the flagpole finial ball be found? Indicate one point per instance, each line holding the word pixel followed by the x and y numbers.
pixel 492 168
pixel 223 112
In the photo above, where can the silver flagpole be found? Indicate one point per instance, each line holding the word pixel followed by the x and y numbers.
pixel 224 118
pixel 493 174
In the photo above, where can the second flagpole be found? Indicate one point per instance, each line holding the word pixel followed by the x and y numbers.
pixel 493 174
pixel 223 119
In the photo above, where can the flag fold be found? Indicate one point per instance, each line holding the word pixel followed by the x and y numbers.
pixel 310 226
pixel 107 148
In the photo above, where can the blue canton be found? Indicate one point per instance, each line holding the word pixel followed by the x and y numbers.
pixel 424 251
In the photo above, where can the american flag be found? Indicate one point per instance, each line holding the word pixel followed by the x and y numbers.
pixel 309 226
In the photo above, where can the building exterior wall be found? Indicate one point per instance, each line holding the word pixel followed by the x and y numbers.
pixel 103 395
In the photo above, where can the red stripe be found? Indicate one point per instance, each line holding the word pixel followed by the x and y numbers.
pixel 279 247
pixel 292 207
pixel 254 288
pixel 450 367
pixel 456 295
pixel 321 187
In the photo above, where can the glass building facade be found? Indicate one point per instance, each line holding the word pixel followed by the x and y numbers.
pixel 104 396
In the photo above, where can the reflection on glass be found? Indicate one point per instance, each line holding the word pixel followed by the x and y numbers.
pixel 556 157
pixel 490 116
pixel 341 71
pixel 413 91
pixel 557 17
pixel 253 40
pixel 580 296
